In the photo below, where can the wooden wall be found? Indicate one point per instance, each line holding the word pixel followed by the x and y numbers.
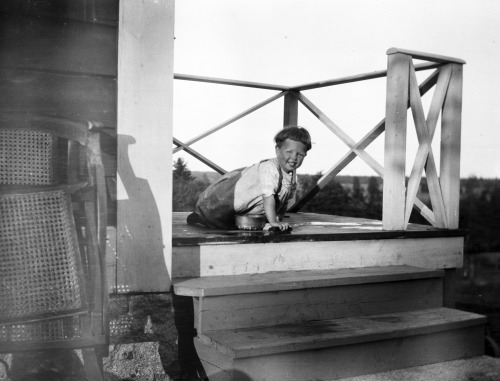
pixel 58 58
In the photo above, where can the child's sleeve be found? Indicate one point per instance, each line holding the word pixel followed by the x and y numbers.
pixel 268 178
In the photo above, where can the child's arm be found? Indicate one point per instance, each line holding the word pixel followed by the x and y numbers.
pixel 270 209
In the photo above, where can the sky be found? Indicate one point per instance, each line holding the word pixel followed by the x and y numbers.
pixel 292 42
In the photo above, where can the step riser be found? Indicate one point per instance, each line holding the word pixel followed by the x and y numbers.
pixel 295 306
pixel 347 361
pixel 233 259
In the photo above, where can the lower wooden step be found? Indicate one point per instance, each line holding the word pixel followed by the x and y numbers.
pixel 338 348
pixel 480 368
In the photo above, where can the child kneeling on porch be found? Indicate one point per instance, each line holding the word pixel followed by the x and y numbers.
pixel 262 189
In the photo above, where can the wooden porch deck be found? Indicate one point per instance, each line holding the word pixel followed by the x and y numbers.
pixel 305 227
pixel 317 241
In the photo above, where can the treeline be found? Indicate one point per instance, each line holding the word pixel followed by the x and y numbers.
pixel 362 197
pixel 186 187
pixel 480 214
pixel 346 196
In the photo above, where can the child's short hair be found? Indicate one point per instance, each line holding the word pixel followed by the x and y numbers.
pixel 297 133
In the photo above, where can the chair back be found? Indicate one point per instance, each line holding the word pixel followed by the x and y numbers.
pixel 52 234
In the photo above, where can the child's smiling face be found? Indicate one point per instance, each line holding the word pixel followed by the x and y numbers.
pixel 291 154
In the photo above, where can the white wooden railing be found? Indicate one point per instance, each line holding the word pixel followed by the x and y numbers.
pixel 403 92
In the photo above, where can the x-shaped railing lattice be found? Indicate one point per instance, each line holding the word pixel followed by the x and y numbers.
pixel 425 128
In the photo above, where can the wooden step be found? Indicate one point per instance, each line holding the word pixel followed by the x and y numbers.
pixel 343 347
pixel 292 280
pixel 335 332
pixel 231 302
pixel 479 368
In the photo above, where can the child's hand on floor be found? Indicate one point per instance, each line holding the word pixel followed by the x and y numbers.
pixel 278 226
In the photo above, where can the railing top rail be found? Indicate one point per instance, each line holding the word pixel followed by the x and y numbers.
pixel 231 82
pixel 425 56
pixel 306 86
pixel 356 78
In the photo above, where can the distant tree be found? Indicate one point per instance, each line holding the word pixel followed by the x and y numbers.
pixel 332 199
pixel 472 184
pixel 181 171
pixel 357 191
pixel 480 215
pixel 358 199
pixel 186 188
pixel 305 183
pixel 374 199
pixel 205 179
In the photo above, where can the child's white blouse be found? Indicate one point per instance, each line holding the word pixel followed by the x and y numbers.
pixel 262 180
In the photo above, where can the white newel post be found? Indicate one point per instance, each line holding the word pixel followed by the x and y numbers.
pixel 394 198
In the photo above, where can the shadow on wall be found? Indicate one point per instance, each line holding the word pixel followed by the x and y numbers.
pixel 140 262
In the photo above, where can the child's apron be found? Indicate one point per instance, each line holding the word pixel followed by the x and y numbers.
pixel 215 206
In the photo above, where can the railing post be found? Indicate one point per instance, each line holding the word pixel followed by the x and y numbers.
pixel 393 212
pixel 450 146
pixel 291 110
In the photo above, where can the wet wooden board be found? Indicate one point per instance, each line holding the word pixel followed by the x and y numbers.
pixel 306 227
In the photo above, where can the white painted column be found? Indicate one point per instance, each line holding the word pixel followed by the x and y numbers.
pixel 290 110
pixel 145 101
pixel 451 127
pixel 394 198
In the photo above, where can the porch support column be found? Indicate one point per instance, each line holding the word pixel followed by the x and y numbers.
pixel 291 110
pixel 393 212
pixel 145 99
pixel 450 146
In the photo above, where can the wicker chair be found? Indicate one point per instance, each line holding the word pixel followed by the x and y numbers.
pixel 53 292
